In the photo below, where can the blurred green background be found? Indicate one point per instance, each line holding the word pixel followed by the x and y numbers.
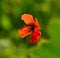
pixel 48 14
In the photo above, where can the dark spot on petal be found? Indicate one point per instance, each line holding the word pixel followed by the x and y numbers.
pixel 32 26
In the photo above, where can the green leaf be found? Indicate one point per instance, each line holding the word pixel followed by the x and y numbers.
pixel 5 22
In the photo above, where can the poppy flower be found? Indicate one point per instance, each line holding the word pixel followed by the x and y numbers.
pixel 32 27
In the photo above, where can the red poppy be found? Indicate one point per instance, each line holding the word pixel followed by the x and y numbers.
pixel 32 27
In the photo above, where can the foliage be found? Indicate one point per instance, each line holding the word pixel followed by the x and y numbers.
pixel 48 14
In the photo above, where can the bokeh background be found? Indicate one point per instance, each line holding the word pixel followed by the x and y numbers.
pixel 48 14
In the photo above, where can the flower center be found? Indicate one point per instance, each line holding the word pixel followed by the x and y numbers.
pixel 32 26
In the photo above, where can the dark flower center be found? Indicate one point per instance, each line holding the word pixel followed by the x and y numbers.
pixel 32 26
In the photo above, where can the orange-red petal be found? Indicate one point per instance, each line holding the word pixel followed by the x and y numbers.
pixel 35 36
pixel 24 31
pixel 37 24
pixel 27 18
